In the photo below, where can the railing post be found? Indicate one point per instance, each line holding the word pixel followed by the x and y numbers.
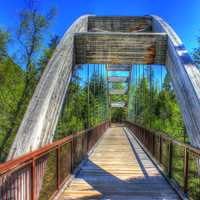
pixel 87 140
pixel 153 145
pixel 72 154
pixel 160 149
pixel 83 140
pixel 58 166
pixel 186 162
pixel 170 159
pixel 33 182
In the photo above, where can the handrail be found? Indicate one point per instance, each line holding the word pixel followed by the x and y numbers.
pixel 29 156
pixel 180 162
pixel 164 135
pixel 9 165
pixel 33 173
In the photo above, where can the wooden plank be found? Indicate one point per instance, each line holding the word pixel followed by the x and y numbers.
pixel 118 79
pixel 117 91
pixel 121 67
pixel 113 171
pixel 119 24
pixel 116 69
pixel 118 104
pixel 120 48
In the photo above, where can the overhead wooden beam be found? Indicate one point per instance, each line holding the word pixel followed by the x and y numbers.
pixel 117 91
pixel 118 67
pixel 119 24
pixel 118 79
pixel 120 48
pixel 120 104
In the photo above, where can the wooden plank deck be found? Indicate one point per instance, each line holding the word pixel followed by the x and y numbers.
pixel 118 169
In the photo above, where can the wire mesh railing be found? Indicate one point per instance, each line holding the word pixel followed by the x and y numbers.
pixel 180 162
pixel 40 174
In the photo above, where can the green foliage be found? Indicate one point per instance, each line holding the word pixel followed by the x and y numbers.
pixel 11 88
pixel 156 108
pixel 85 106
pixel 17 85
pixel 118 114
pixel 30 33
pixel 4 38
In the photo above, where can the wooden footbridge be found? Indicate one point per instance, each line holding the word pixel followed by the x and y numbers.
pixel 107 161
pixel 118 168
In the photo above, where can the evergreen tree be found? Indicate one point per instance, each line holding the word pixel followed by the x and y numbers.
pixel 155 108
pixel 4 38
pixel 78 113
pixel 11 88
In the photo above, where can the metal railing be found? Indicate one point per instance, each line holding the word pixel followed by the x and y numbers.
pixel 180 162
pixel 41 173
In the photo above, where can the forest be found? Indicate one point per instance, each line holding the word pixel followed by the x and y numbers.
pixel 152 101
pixel 86 104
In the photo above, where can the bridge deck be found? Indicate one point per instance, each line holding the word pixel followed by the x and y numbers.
pixel 118 169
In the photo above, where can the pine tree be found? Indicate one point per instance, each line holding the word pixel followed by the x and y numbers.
pixel 4 39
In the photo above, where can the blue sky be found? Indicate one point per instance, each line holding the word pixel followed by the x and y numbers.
pixel 182 15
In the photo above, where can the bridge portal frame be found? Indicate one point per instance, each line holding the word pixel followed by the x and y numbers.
pixel 40 120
